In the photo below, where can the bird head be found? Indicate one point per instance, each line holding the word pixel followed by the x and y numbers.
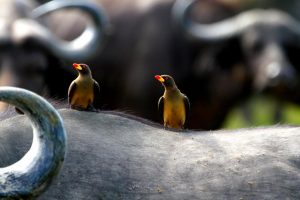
pixel 82 68
pixel 166 80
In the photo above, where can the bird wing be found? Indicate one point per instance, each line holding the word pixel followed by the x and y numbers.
pixel 96 92
pixel 186 105
pixel 161 102
pixel 71 91
pixel 96 88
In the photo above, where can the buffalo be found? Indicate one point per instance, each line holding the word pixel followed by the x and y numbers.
pixel 258 46
pixel 112 155
pixel 267 41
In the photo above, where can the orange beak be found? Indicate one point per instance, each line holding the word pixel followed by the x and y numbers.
pixel 159 78
pixel 77 66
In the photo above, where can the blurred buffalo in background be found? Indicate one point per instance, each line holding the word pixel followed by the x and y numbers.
pixel 217 55
pixel 32 57
pixel 261 43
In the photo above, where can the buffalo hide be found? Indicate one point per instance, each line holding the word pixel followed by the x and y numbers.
pixel 113 156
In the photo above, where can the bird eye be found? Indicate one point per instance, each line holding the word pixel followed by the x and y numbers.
pixel 166 78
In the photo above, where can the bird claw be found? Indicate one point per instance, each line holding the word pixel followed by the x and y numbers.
pixel 90 108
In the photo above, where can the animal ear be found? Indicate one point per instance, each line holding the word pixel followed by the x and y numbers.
pixel 293 52
pixel 5 33
pixel 24 29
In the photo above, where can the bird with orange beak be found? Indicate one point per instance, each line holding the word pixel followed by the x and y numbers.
pixel 83 89
pixel 173 105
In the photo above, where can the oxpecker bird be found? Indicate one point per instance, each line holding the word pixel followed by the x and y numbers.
pixel 173 105
pixel 83 89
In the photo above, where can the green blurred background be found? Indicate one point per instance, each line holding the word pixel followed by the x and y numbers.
pixel 262 111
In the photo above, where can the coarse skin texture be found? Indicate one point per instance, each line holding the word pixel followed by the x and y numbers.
pixel 121 157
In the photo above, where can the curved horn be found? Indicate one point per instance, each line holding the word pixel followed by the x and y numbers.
pixel 29 176
pixel 229 27
pixel 84 46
